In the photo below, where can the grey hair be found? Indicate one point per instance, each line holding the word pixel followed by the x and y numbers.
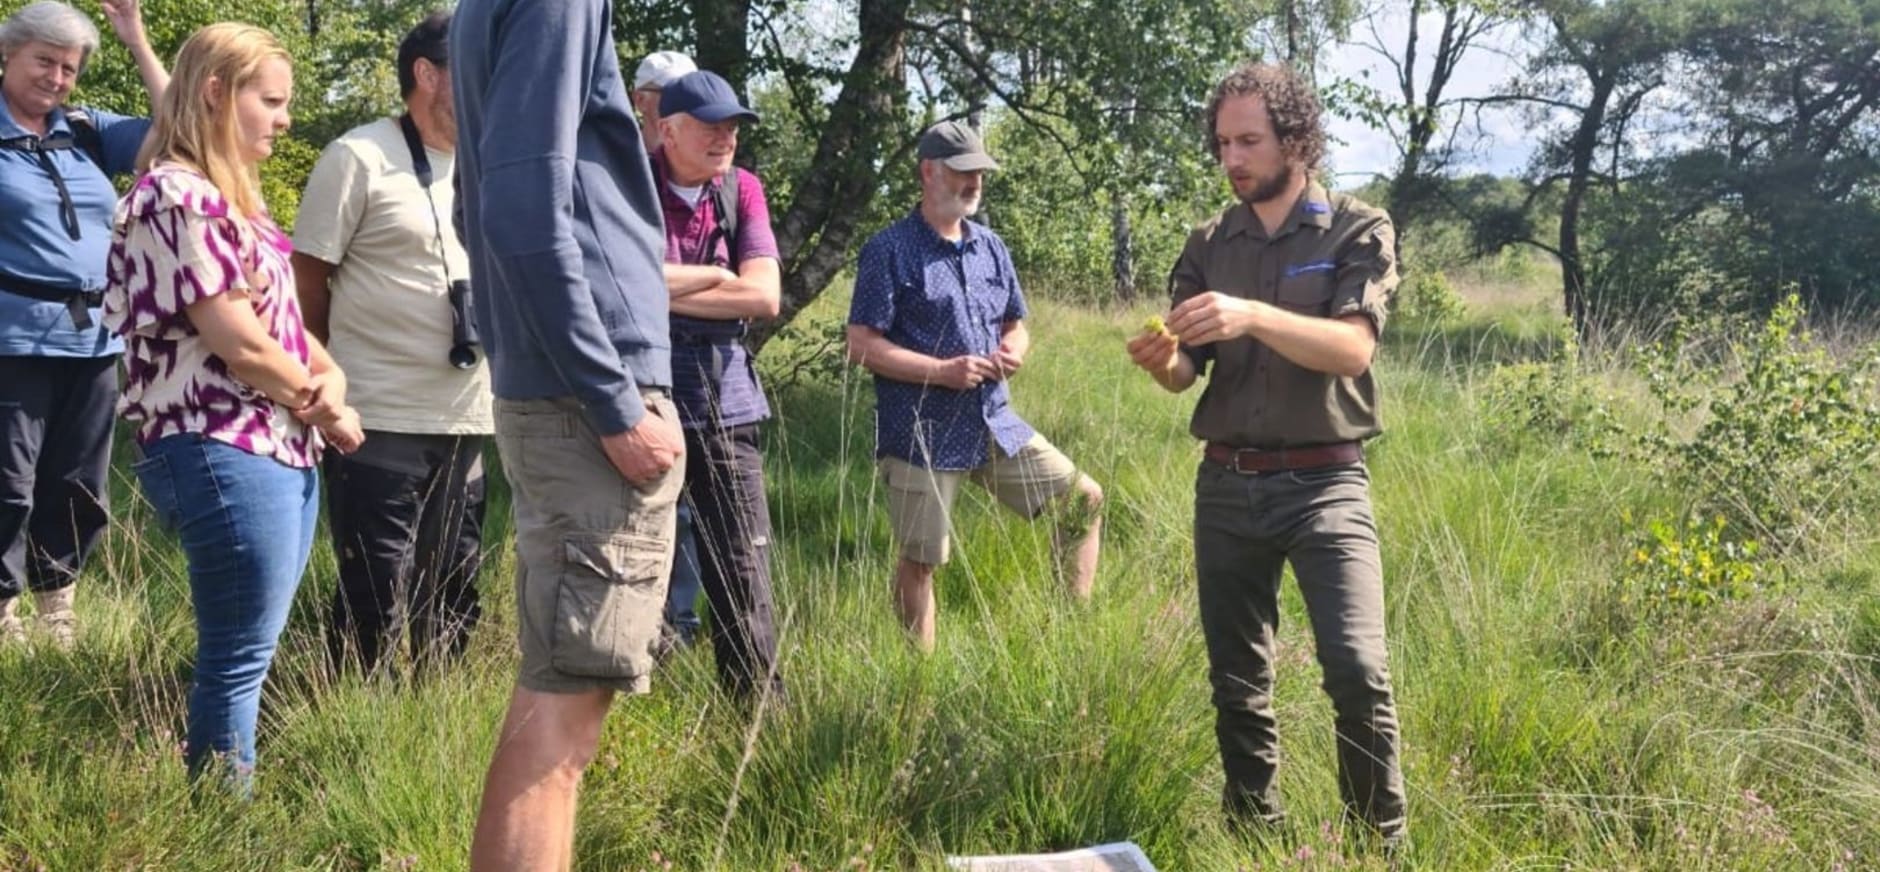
pixel 53 23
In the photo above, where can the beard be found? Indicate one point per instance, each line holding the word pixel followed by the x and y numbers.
pixel 958 206
pixel 1269 188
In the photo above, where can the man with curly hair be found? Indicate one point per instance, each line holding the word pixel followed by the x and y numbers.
pixel 1278 301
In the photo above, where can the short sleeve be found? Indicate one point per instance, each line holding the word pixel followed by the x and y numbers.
pixel 755 237
pixel 332 204
pixel 1367 273
pixel 175 245
pixel 121 136
pixel 873 302
pixel 1015 309
pixel 1187 280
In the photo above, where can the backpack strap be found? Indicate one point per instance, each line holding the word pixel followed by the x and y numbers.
pixel 725 208
pixel 85 135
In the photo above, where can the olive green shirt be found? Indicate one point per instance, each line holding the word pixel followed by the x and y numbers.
pixel 1333 257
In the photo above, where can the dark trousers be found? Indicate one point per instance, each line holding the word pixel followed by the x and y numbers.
pixel 56 415
pixel 724 482
pixel 1247 527
pixel 406 516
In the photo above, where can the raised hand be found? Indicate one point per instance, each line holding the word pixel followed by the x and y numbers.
pixel 127 20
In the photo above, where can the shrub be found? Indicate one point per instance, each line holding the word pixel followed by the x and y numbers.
pixel 1428 297
pixel 1788 433
pixel 1692 564
pixel 1555 400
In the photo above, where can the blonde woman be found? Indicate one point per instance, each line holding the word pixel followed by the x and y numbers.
pixel 231 398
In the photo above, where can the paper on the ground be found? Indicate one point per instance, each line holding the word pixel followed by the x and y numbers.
pixel 1114 857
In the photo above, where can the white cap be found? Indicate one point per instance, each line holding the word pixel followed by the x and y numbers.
pixel 662 68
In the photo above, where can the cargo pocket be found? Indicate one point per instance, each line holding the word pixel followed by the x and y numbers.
pixel 608 605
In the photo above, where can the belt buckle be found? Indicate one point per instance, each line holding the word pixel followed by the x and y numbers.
pixel 1249 466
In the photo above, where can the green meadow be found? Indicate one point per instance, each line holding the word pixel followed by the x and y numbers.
pixel 1557 713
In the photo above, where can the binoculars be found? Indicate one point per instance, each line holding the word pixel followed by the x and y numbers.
pixel 463 326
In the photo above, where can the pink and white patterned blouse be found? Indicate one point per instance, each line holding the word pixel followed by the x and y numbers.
pixel 175 240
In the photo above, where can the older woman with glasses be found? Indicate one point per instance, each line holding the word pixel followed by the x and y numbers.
pixel 58 367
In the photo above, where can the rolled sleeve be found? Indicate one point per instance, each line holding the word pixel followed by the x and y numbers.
pixel 1367 274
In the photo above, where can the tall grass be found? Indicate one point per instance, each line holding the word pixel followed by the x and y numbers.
pixel 1539 731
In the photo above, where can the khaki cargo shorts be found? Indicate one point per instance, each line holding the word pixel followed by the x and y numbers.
pixel 920 500
pixel 593 553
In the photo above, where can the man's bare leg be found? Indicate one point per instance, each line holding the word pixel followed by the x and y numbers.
pixel 526 822
pixel 1078 539
pixel 913 601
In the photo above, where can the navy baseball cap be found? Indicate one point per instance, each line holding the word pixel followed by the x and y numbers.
pixel 704 95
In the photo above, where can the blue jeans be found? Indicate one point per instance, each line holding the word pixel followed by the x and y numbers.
pixel 246 526
pixel 682 593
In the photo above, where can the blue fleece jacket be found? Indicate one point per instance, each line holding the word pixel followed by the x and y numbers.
pixel 559 211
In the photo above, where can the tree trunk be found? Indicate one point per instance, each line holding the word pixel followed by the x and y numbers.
pixel 1122 249
pixel 1583 148
pixel 1294 25
pixel 833 193
pixel 723 32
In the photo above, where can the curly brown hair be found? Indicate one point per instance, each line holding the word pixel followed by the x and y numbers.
pixel 1298 119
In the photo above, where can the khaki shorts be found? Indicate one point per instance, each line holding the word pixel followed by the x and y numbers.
pixel 920 500
pixel 592 552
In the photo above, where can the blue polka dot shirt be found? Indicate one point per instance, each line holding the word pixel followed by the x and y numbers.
pixel 944 299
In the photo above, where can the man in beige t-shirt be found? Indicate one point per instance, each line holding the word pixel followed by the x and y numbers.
pixel 383 281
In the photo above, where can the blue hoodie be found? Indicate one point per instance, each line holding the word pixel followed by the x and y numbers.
pixel 560 215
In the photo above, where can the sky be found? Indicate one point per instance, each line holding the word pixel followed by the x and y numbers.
pixel 1360 151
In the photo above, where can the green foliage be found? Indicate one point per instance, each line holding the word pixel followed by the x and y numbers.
pixel 284 176
pixel 1556 400
pixel 810 350
pixel 1786 444
pixel 343 72
pixel 1060 226
pixel 1427 297
pixel 1693 564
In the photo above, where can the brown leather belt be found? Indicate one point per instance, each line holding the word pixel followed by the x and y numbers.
pixel 1252 460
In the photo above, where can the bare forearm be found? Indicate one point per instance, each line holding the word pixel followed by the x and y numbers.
pixel 684 280
pixel 311 276
pixel 1177 378
pixel 319 359
pixel 1016 338
pixel 263 365
pixel 882 357
pixel 150 69
pixel 1340 346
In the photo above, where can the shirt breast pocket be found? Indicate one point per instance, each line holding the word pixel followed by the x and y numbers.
pixel 1307 288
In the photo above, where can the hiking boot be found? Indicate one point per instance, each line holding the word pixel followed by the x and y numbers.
pixel 56 616
pixel 11 630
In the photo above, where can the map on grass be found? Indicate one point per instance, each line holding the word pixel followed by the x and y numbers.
pixel 1114 857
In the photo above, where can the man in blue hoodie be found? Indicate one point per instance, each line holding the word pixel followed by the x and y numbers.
pixel 563 226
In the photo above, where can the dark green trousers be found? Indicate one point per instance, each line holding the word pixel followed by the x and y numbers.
pixel 1247 527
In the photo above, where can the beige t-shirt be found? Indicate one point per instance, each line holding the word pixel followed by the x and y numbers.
pixel 390 323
